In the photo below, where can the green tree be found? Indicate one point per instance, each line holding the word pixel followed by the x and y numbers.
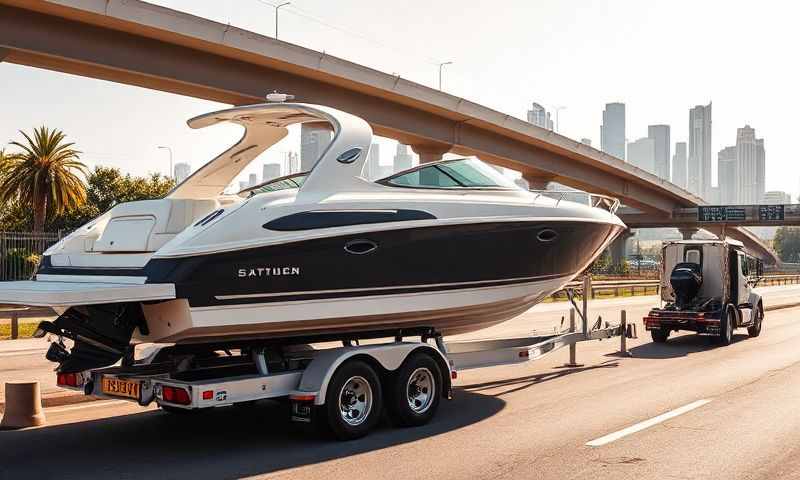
pixel 44 176
pixel 107 187
pixel 787 244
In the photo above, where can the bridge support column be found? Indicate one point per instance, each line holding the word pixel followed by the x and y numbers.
pixel 537 181
pixel 619 247
pixel 430 152
pixel 688 232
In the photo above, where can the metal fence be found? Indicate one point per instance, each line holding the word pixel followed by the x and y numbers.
pixel 20 253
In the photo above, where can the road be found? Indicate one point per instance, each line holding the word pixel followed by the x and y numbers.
pixel 524 421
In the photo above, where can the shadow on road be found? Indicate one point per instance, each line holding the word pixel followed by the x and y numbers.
pixel 221 443
pixel 680 346
pixel 528 381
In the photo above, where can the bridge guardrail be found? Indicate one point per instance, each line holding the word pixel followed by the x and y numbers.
pixel 619 287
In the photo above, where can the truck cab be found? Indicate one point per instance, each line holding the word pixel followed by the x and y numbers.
pixel 707 286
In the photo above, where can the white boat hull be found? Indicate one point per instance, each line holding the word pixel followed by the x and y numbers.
pixel 449 311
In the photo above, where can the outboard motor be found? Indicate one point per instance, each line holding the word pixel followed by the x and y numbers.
pixel 686 279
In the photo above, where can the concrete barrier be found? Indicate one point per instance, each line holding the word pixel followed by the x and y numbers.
pixel 23 406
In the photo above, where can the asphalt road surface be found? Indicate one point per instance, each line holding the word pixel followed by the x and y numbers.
pixel 686 409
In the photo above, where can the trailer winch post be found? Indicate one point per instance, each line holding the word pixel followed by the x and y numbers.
pixel 623 338
pixel 587 288
pixel 573 347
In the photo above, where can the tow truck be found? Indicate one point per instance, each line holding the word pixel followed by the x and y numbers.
pixel 707 286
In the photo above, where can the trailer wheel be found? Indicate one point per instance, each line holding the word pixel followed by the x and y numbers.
pixel 414 391
pixel 726 322
pixel 758 321
pixel 660 336
pixel 353 401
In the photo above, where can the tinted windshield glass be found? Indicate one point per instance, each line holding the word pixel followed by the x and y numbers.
pixel 463 173
pixel 284 183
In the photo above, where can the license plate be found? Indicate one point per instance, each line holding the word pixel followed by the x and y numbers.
pixel 121 388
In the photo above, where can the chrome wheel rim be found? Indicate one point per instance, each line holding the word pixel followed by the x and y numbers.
pixel 420 390
pixel 355 400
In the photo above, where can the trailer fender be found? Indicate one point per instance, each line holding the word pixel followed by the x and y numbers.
pixel 389 356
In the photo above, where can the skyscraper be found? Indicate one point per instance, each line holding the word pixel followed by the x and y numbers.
pixel 776 197
pixel 760 167
pixel 402 158
pixel 747 165
pixel 727 177
pixel 291 163
pixel 540 117
pixel 660 135
pixel 679 165
pixel 182 171
pixel 252 180
pixel 314 140
pixel 642 153
pixel 372 166
pixel 270 171
pixel 612 132
pixel 699 171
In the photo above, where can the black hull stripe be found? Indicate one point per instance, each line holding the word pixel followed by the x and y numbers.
pixel 369 292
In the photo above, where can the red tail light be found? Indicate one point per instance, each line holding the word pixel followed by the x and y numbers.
pixel 67 379
pixel 175 395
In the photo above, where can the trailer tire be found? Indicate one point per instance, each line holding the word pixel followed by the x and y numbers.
pixel 758 321
pixel 726 325
pixel 660 336
pixel 414 391
pixel 353 401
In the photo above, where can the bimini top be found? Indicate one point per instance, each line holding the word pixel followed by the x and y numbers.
pixel 266 124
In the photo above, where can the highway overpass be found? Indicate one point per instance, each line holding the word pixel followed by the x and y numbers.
pixel 714 216
pixel 137 43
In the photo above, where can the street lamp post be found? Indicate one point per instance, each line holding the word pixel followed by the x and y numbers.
pixel 276 16
pixel 441 65
pixel 170 160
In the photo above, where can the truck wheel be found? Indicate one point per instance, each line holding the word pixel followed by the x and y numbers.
pixel 660 336
pixel 353 401
pixel 726 323
pixel 414 391
pixel 755 330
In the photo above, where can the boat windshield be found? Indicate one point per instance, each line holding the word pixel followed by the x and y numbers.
pixel 460 173
pixel 281 183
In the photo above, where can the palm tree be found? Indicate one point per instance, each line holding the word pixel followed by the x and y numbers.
pixel 43 176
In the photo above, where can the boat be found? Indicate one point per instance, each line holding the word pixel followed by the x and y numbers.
pixel 451 246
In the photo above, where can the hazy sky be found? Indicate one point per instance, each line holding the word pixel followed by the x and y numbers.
pixel 660 58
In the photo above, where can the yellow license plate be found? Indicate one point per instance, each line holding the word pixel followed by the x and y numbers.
pixel 121 388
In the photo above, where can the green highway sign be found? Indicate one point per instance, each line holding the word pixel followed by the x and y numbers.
pixel 771 213
pixel 720 213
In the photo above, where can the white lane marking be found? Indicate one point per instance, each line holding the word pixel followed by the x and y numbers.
pixel 89 404
pixel 611 437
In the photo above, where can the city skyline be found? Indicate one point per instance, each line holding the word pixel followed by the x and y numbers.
pixel 512 76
